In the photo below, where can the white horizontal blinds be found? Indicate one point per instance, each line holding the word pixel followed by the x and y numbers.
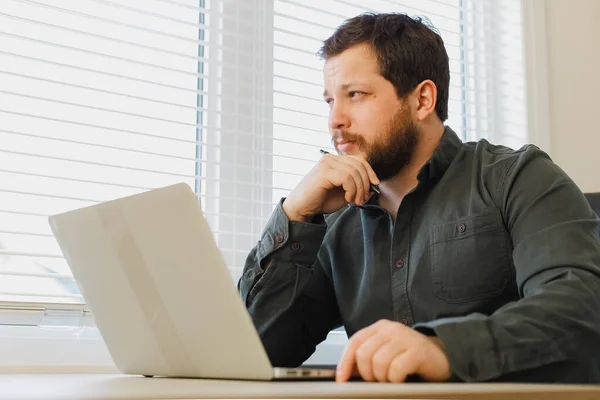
pixel 103 98
pixel 98 100
pixel 495 103
pixel 299 112
pixel 240 147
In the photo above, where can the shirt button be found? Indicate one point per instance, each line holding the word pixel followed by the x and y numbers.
pixel 279 238
pixel 404 321
pixel 462 228
pixel 399 264
pixel 295 246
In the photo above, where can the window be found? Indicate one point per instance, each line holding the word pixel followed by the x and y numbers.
pixel 103 98
pixel 98 100
pixel 484 44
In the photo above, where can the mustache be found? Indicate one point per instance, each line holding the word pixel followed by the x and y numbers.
pixel 346 137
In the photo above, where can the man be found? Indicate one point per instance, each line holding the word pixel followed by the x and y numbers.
pixel 476 262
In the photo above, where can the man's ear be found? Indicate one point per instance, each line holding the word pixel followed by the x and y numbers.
pixel 424 99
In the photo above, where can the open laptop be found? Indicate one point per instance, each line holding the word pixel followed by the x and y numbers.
pixel 162 296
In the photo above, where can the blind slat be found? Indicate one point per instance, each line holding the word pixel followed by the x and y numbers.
pixel 97 36
pixel 36 275
pixel 38 295
pixel 89 200
pixel 29 254
pixel 197 159
pixel 23 233
pixel 103 55
pixel 122 41
pixel 137 11
pixel 147 29
pixel 109 92
pixel 104 73
pixel 413 10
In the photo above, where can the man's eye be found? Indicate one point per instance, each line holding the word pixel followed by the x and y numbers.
pixel 355 94
pixel 329 101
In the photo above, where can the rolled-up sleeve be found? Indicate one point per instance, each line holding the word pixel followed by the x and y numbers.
pixel 556 253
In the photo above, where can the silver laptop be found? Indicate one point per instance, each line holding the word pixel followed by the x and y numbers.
pixel 162 296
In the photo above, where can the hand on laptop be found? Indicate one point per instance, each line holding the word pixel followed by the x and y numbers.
pixel 388 351
pixel 332 183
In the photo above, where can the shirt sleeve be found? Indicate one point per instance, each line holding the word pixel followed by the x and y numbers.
pixel 287 293
pixel 556 253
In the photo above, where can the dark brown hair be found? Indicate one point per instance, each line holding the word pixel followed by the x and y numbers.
pixel 408 51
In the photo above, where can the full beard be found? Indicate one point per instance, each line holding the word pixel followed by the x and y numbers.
pixel 393 149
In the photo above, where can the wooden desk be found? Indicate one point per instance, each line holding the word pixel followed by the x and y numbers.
pixel 80 387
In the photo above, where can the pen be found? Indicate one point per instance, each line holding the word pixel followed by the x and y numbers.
pixel 374 188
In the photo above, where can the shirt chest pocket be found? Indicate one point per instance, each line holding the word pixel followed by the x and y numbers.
pixel 469 258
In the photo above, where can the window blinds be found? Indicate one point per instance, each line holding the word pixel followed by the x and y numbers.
pixel 101 99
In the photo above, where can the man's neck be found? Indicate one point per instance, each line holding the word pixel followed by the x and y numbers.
pixel 396 188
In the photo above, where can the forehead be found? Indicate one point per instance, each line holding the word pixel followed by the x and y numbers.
pixel 357 62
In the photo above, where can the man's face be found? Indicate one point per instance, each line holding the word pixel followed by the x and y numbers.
pixel 366 116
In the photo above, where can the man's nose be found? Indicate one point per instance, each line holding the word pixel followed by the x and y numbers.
pixel 338 117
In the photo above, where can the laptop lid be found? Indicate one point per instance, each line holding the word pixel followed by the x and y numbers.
pixel 163 299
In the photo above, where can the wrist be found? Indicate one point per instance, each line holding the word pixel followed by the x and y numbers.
pixel 292 214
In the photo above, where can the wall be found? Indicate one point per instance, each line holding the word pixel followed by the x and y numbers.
pixel 573 54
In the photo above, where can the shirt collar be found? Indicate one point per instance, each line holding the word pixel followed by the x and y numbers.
pixel 442 157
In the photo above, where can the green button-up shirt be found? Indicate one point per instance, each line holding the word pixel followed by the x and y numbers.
pixel 496 252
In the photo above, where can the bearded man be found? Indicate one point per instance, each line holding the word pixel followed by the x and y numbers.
pixel 474 262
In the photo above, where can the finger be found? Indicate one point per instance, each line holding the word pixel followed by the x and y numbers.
pixel 401 366
pixel 339 178
pixel 358 180
pixel 362 170
pixel 348 360
pixel 365 353
pixel 372 175
pixel 347 183
pixel 359 196
pixel 383 357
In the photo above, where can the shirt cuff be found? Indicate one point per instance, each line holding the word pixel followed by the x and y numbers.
pixel 295 241
pixel 468 344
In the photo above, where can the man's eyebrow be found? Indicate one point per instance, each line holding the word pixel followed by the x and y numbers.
pixel 344 87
